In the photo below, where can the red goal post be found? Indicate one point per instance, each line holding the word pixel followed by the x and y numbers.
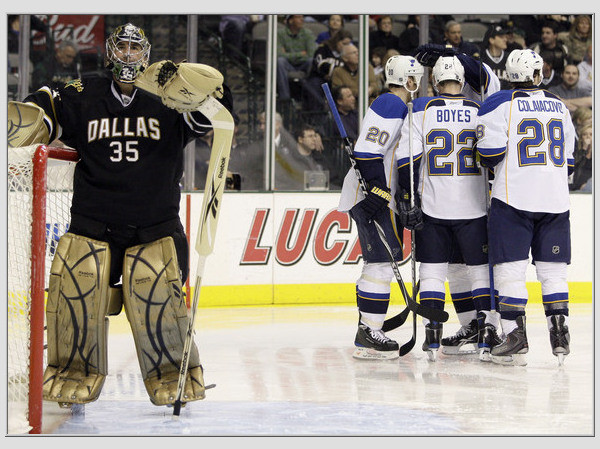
pixel 40 180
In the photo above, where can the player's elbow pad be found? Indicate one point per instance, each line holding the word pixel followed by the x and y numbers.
pixel 372 170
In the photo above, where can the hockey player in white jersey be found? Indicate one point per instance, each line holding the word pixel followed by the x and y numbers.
pixel 526 133
pixel 374 155
pixel 480 82
pixel 451 188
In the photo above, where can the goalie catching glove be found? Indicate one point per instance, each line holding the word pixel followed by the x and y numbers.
pixel 377 198
pixel 410 217
pixel 183 87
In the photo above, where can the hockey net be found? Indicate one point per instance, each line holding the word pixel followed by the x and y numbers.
pixel 40 180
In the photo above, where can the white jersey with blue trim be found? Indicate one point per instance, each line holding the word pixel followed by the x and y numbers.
pixel 492 86
pixel 378 137
pixel 451 186
pixel 529 136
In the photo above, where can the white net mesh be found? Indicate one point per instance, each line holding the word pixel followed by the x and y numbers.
pixel 20 196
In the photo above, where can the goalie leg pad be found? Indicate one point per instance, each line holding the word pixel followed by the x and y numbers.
pixel 158 316
pixel 76 319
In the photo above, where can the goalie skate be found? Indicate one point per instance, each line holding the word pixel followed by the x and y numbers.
pixel 463 342
pixel 374 344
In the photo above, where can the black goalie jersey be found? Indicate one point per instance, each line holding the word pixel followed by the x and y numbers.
pixel 130 149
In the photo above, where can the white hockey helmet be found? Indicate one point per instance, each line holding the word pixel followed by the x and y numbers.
pixel 522 64
pixel 448 68
pixel 127 65
pixel 399 67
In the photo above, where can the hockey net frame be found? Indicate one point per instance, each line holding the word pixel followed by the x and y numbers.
pixel 40 179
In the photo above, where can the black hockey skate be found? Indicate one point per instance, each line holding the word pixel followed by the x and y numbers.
pixel 487 338
pixel 373 344
pixel 463 342
pixel 513 349
pixel 433 335
pixel 559 337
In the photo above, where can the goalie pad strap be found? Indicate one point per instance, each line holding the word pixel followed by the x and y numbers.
pixel 76 319
pixel 157 313
pixel 26 125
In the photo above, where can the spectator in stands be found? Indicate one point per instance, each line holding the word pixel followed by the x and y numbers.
pixel 563 21
pixel 13 33
pixel 437 27
pixel 550 77
pixel 248 159
pixel 327 57
pixel 377 57
pixel 515 38
pixel 233 28
pixel 582 176
pixel 581 118
pixel 291 163
pixel 494 53
pixel 388 54
pixel 586 70
pixel 409 38
pixel 549 43
pixel 383 36
pixel 347 74
pixel 345 102
pixel 578 38
pixel 295 50
pixel 569 91
pixel 453 36
pixel 527 25
pixel 58 68
pixel 284 141
pixel 335 23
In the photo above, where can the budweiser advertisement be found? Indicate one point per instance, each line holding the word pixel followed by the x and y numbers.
pixel 87 30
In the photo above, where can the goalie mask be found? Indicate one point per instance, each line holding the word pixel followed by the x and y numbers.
pixel 522 65
pixel 127 52
pixel 399 68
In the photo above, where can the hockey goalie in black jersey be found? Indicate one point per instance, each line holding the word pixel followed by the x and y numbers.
pixel 126 245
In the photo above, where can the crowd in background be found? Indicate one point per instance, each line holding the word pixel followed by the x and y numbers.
pixel 317 49
pixel 564 42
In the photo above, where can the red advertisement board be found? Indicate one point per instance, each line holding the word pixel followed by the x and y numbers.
pixel 87 30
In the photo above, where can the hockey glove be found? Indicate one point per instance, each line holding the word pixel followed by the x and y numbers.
pixel 410 217
pixel 183 87
pixel 428 54
pixel 378 198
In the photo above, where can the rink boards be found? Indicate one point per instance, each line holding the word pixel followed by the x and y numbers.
pixel 295 248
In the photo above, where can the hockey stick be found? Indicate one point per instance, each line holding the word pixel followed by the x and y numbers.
pixel 398 320
pixel 412 305
pixel 222 123
pixel 487 194
pixel 406 348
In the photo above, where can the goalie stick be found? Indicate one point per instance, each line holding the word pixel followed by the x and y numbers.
pixel 222 123
pixel 411 304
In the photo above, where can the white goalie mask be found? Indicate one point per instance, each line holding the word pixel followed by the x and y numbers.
pixel 127 52
pixel 522 64
pixel 399 68
pixel 448 68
